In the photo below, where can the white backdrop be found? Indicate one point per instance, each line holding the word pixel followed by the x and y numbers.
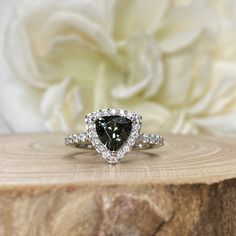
pixel 172 61
pixel 5 9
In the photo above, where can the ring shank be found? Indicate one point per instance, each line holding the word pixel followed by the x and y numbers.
pixel 144 141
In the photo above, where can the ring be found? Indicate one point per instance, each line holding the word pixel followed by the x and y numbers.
pixel 113 133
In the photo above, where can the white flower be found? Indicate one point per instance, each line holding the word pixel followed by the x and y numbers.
pixel 159 58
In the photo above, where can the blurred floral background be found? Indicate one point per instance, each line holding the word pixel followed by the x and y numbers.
pixel 173 61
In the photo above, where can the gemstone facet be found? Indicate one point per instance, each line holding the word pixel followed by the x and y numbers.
pixel 125 134
pixel 113 131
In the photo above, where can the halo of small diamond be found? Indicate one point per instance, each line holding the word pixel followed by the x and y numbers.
pixel 112 157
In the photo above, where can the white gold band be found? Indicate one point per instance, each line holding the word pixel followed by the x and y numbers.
pixel 144 141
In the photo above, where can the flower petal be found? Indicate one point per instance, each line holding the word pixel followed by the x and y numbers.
pixel 102 84
pixel 187 74
pixel 19 107
pixel 20 56
pixel 154 115
pixel 178 122
pixel 219 96
pixel 5 127
pixel 223 124
pixel 184 24
pixel 71 25
pixel 142 68
pixel 42 27
pixel 215 112
pixel 61 106
pixel 135 16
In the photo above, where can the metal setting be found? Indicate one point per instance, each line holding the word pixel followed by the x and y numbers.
pixel 135 140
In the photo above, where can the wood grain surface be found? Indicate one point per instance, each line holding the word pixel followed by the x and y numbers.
pixel 43 158
pixel 187 187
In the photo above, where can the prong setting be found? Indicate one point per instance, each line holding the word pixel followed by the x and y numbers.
pixel 113 157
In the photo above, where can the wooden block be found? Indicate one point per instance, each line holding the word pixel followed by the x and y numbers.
pixel 188 187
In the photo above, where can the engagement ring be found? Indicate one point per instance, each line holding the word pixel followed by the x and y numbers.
pixel 113 133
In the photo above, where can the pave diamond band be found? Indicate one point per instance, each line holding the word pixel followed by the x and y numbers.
pixel 113 133
pixel 144 141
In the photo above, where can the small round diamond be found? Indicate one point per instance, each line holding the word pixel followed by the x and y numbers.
pixel 131 141
pixel 129 114
pixel 102 149
pixel 113 160
pixel 135 134
pixel 113 111
pixel 69 139
pixel 97 115
pixel 82 137
pixel 152 139
pixel 121 112
pixel 136 126
pixel 145 138
pixel 106 154
pixel 75 138
pixel 91 126
pixel 126 148
pixel 92 135
pixel 120 154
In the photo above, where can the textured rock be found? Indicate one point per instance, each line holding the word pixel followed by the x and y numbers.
pixel 127 210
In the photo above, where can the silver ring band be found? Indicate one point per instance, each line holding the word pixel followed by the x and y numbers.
pixel 144 141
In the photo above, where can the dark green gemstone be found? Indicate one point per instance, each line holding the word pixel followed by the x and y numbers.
pixel 113 131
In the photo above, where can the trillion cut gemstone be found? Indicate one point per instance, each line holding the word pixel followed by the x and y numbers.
pixel 113 131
